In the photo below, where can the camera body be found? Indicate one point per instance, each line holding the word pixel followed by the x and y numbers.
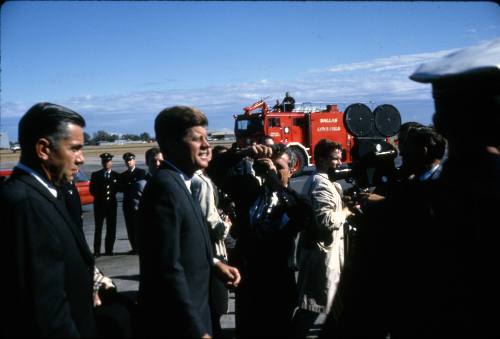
pixel 373 164
pixel 260 169
pixel 372 155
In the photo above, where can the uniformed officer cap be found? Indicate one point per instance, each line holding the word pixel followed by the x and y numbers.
pixel 128 156
pixel 466 90
pixel 106 156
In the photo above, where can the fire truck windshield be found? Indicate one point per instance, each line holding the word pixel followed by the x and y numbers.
pixel 248 126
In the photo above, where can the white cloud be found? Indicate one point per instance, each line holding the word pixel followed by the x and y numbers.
pixel 381 80
pixel 392 62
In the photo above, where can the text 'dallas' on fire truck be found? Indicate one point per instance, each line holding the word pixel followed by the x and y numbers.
pixel 301 126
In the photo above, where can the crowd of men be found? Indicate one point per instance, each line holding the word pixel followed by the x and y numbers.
pixel 421 262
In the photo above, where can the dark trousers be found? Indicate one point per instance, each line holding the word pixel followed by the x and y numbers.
pixel 219 299
pixel 303 322
pixel 128 213
pixel 104 211
pixel 116 317
pixel 265 309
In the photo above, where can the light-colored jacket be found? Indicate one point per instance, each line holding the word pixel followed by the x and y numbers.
pixel 202 190
pixel 321 247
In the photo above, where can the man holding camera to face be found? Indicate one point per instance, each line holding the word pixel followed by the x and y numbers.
pixel 268 217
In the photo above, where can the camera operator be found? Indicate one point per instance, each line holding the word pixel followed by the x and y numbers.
pixel 421 148
pixel 429 269
pixel 321 246
pixel 382 236
pixel 268 216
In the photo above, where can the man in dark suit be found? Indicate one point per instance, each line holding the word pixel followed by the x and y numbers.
pixel 127 181
pixel 103 186
pixel 154 159
pixel 176 257
pixel 47 263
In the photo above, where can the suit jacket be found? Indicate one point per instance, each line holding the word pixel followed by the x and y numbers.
pixel 175 261
pixel 127 180
pixel 47 265
pixel 102 188
pixel 73 202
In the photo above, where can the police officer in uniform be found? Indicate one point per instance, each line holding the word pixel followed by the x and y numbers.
pixel 127 181
pixel 103 186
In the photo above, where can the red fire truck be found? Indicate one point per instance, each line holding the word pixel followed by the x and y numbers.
pixel 302 126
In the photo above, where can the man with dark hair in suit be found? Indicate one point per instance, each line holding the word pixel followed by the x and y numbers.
pixel 176 254
pixel 48 290
pixel 103 186
pixel 127 181
pixel 422 152
pixel 154 158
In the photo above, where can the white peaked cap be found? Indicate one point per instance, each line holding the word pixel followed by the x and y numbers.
pixel 484 57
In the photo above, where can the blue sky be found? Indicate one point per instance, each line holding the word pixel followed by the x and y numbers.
pixel 119 63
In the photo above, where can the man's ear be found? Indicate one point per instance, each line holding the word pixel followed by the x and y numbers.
pixel 43 149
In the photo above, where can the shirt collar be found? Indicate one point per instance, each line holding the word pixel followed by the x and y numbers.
pixel 184 177
pixel 39 178
pixel 324 175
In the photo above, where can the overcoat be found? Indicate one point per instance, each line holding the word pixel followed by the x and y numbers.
pixel 47 265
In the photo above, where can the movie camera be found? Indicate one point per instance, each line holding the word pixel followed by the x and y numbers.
pixel 372 160
pixel 373 155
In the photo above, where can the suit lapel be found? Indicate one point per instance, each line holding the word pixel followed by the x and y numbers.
pixel 195 206
pixel 61 209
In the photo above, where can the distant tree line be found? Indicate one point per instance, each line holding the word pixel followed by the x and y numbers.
pixel 109 137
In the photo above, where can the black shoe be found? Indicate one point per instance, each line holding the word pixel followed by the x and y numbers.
pixel 132 252
pixel 109 253
pixel 97 255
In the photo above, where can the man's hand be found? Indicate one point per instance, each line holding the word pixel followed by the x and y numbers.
pixel 228 274
pixel 268 164
pixel 97 300
pixel 104 284
pixel 347 212
pixel 370 197
pixel 259 151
